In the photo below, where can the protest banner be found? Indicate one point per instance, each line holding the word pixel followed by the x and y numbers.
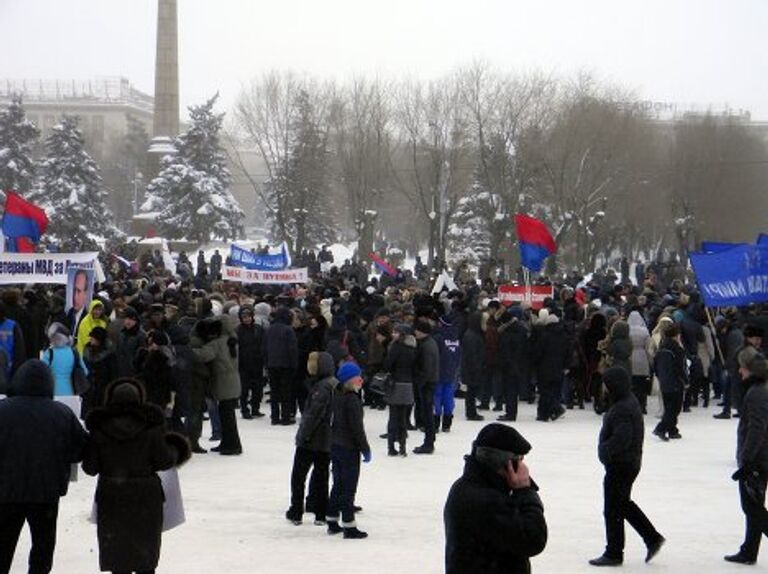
pixel 45 267
pixel 736 277
pixel 240 257
pixel 265 277
pixel 533 296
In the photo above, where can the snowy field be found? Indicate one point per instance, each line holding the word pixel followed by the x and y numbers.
pixel 235 505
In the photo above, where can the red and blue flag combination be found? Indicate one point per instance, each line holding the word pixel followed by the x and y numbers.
pixel 382 265
pixel 23 223
pixel 535 241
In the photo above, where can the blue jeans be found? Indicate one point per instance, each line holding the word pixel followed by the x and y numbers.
pixel 345 468
pixel 444 399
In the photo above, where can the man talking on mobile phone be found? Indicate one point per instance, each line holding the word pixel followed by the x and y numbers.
pixel 494 518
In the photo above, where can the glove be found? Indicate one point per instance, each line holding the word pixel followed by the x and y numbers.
pixel 367 456
pixel 745 472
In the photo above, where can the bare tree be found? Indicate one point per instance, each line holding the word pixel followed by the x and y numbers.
pixel 434 144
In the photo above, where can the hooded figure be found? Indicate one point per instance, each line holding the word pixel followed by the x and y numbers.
pixel 620 449
pixel 39 441
pixel 493 524
pixel 313 442
pixel 619 347
pixel 89 322
pixel 129 444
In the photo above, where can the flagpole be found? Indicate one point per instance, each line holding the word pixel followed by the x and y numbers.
pixel 714 334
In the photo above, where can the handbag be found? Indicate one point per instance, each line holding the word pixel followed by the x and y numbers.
pixel 381 383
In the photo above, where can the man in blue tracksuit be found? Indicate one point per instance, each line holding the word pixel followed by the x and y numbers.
pixel 449 345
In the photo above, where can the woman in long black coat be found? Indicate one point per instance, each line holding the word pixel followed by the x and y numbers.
pixel 129 444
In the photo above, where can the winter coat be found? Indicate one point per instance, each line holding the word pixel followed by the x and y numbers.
pixel 281 345
pixel 449 346
pixel 427 361
pixel 514 347
pixel 155 370
pixel 376 351
pixel 639 336
pixel 88 324
pixel 130 342
pixel 315 428
pixel 621 437
pixel 669 366
pixel 473 354
pixel 552 352
pixel 347 427
pixel 752 434
pixel 489 530
pixel 63 361
pixel 102 370
pixel 400 364
pixel 619 348
pixel 220 351
pixel 250 342
pixel 40 439
pixel 129 444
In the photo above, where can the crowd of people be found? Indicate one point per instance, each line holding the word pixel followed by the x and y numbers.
pixel 155 353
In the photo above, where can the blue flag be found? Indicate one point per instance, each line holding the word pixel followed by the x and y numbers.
pixel 718 246
pixel 736 277
pixel 240 257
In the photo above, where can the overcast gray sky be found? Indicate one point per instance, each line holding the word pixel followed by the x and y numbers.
pixel 685 51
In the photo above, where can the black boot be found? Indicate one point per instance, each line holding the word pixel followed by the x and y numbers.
pixel 402 451
pixel 354 533
pixel 334 528
pixel 391 447
pixel 447 421
pixel 437 423
pixel 740 558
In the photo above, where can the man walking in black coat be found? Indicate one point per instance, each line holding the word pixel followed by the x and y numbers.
pixel 313 442
pixel 282 357
pixel 39 441
pixel 427 374
pixel 494 518
pixel 620 449
pixel 752 456
pixel 250 361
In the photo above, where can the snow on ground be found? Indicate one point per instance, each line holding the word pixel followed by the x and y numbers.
pixel 235 505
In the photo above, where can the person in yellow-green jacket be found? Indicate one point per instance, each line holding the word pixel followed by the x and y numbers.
pixel 96 317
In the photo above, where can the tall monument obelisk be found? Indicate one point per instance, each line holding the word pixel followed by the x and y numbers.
pixel 166 119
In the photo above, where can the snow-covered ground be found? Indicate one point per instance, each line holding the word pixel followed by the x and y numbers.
pixel 235 505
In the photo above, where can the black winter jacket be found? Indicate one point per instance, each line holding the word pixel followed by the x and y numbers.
pixel 621 437
pixel 489 530
pixel 281 345
pixel 514 348
pixel 752 436
pixel 127 349
pixel 347 428
pixel 250 342
pixel 315 429
pixel 473 353
pixel 39 440
pixel 669 366
pixel 553 352
pixel 427 361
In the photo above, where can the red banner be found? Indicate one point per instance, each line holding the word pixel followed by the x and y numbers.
pixel 533 296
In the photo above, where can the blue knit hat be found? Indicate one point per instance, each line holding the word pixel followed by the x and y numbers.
pixel 348 371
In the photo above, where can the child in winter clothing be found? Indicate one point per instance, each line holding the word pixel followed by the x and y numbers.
pixel 313 442
pixel 348 442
